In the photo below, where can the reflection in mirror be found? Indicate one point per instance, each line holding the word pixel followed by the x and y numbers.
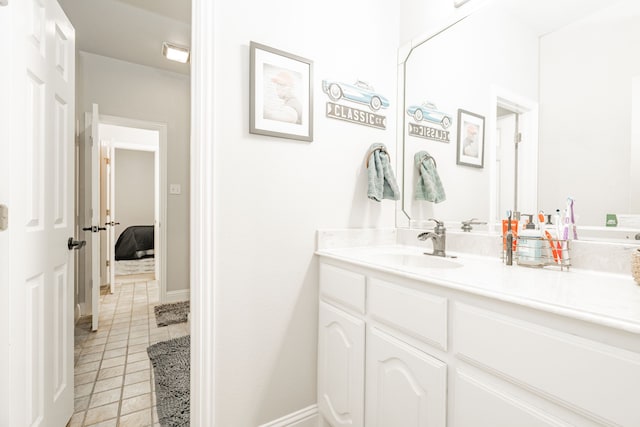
pixel 559 89
pixel 590 124
pixel 483 61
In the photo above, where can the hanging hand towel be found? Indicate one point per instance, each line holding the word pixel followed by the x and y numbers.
pixel 429 186
pixel 382 181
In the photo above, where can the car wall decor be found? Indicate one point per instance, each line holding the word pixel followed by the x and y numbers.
pixel 438 121
pixel 342 94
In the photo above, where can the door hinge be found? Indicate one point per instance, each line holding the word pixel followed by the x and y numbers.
pixel 108 212
pixel 4 217
pixel 518 138
pixel 107 160
pixel 107 263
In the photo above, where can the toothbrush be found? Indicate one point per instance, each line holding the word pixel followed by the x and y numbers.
pixel 573 218
pixel 509 243
pixel 548 236
pixel 558 234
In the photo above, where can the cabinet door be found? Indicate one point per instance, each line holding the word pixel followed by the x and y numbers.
pixel 340 367
pixel 405 387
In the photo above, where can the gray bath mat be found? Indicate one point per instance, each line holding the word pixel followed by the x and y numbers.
pixel 171 369
pixel 168 314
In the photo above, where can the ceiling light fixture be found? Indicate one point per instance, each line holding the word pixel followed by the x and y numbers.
pixel 175 53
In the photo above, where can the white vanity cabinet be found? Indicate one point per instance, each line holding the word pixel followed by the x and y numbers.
pixel 404 386
pixel 341 367
pixel 341 347
pixel 397 351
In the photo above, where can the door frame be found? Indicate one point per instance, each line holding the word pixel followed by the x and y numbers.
pixel 527 110
pixel 161 178
pixel 203 282
pixel 112 145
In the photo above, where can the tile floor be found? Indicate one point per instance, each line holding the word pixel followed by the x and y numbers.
pixel 114 383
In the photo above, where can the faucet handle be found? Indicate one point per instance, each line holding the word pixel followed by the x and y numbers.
pixel 466 225
pixel 439 228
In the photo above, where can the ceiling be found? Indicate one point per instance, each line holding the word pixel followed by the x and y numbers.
pixel 131 30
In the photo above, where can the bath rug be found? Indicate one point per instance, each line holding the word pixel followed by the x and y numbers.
pixel 171 370
pixel 168 314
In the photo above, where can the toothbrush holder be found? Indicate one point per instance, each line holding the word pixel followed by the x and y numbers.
pixel 635 265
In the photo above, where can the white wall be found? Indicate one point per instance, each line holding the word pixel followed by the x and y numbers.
pixel 586 76
pixel 137 92
pixel 134 188
pixel 272 195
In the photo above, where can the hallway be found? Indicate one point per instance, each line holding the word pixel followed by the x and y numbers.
pixel 114 384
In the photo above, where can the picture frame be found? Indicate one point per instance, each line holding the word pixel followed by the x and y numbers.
pixel 281 94
pixel 470 150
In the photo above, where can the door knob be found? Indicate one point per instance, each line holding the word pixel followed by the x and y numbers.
pixel 93 229
pixel 75 244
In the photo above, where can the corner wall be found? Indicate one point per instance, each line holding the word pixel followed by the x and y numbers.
pixel 138 92
pixel 272 194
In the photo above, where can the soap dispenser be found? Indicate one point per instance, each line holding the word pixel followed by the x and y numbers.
pixel 530 245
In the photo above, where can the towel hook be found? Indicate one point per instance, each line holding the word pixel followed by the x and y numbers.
pixel 383 149
pixel 427 157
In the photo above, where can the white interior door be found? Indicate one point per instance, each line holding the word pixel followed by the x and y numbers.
pixel 41 213
pixel 95 216
pixel 111 222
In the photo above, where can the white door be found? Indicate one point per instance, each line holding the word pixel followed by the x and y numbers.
pixel 94 139
pixel 111 222
pixel 41 213
pixel 405 387
pixel 340 367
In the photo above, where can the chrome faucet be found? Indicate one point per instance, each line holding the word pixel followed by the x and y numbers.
pixel 438 236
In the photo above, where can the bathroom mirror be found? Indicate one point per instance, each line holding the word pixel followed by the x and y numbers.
pixel 557 77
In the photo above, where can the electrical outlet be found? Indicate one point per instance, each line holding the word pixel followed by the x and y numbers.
pixel 174 189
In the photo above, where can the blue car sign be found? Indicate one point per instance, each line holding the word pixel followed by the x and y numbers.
pixel 428 112
pixel 359 92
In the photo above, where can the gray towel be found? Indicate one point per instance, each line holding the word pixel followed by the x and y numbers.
pixel 382 181
pixel 429 186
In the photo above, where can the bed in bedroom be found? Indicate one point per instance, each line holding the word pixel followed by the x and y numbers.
pixel 135 242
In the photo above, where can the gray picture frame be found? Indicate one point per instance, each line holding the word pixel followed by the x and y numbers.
pixel 470 148
pixel 281 94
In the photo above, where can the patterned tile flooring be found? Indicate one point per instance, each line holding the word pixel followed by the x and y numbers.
pixel 114 383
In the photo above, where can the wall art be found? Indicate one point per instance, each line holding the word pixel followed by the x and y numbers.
pixel 470 150
pixel 343 94
pixel 428 113
pixel 281 94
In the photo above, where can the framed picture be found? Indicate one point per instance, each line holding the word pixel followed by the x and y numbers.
pixel 281 94
pixel 470 139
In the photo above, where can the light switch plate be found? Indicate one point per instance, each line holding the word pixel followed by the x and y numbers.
pixel 174 189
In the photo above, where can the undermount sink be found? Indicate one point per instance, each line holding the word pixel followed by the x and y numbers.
pixel 415 261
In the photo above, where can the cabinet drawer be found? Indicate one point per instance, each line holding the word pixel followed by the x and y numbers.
pixel 597 380
pixel 343 286
pixel 415 313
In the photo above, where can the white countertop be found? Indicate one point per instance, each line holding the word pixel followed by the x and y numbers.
pixel 607 299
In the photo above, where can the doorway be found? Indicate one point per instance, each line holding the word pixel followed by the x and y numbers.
pixel 142 201
pixel 131 203
pixel 513 143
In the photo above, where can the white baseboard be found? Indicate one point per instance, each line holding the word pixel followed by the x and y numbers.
pixel 306 417
pixel 175 296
